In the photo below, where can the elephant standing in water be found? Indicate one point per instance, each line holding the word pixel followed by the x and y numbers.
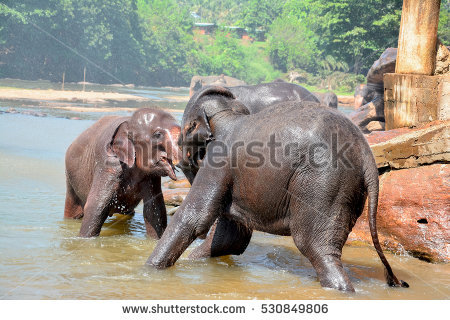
pixel 116 163
pixel 291 169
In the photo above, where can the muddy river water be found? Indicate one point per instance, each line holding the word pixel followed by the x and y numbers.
pixel 41 256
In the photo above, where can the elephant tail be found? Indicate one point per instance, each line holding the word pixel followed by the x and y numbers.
pixel 372 184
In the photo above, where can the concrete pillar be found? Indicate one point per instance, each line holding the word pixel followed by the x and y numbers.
pixel 413 94
pixel 418 36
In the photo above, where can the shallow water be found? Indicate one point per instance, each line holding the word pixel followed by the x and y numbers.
pixel 42 258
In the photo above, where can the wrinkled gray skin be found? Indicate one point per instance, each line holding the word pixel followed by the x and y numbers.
pixel 316 206
pixel 255 98
pixel 116 163
pixel 260 96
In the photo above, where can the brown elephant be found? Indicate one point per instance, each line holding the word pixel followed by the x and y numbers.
pixel 116 163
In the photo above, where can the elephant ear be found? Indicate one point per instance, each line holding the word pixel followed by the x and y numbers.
pixel 239 108
pixel 216 90
pixel 121 146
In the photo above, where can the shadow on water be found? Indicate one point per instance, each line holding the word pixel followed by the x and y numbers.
pixel 42 257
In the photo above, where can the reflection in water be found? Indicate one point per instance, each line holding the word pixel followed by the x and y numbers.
pixel 42 257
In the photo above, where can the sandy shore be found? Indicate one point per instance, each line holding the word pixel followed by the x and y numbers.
pixel 104 109
pixel 72 96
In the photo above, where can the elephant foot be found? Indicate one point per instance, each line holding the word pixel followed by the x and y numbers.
pixel 331 273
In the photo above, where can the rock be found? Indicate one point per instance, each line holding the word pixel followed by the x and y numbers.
pixel 198 82
pixel 174 197
pixel 372 111
pixel 384 64
pixel 376 126
pixel 346 100
pixel 413 147
pixel 369 99
pixel 413 213
pixel 414 197
pixel 442 59
pixel 328 99
pixel 183 183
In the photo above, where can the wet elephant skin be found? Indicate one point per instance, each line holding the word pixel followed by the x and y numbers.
pixel 116 163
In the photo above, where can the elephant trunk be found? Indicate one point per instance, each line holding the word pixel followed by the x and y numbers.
pixel 173 150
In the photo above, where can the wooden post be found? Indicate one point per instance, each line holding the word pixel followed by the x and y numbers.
pixel 84 78
pixel 418 36
pixel 62 87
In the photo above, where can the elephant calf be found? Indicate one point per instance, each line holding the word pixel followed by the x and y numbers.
pixel 116 163
pixel 291 169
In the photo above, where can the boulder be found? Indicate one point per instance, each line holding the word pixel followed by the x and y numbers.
pixel 442 59
pixel 174 197
pixel 413 213
pixel 175 191
pixel 183 183
pixel 369 100
pixel 198 82
pixel 411 148
pixel 414 191
pixel 376 126
pixel 384 64
pixel 372 111
pixel 346 100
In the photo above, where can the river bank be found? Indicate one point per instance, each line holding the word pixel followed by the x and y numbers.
pixel 7 93
pixel 72 96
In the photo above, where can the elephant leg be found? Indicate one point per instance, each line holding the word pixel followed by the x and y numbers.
pixel 225 237
pixel 72 208
pixel 320 238
pixel 97 205
pixel 202 206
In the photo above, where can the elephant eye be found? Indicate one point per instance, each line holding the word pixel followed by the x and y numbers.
pixel 157 134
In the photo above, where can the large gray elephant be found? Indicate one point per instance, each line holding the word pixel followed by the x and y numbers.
pixel 116 163
pixel 291 169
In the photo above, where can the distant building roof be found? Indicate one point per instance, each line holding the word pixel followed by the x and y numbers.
pixel 233 27
pixel 204 24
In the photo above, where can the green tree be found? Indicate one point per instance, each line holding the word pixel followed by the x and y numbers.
pixel 167 42
pixel 258 15
pixel 353 31
pixel 444 22
pixel 291 44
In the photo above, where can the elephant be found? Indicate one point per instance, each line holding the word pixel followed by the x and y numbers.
pixel 255 98
pixel 309 178
pixel 327 99
pixel 260 96
pixel 116 163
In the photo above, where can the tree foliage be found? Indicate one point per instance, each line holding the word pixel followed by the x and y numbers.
pixel 151 42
